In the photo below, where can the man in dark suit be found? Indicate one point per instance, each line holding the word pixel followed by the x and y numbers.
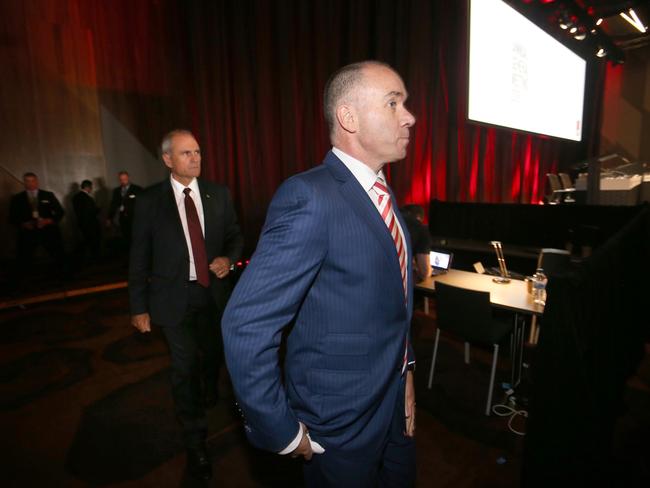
pixel 87 212
pixel 333 262
pixel 185 240
pixel 122 207
pixel 36 215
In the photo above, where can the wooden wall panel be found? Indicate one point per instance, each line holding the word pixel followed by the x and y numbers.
pixel 88 88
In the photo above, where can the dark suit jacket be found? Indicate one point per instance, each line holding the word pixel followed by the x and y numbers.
pixel 326 263
pixel 86 210
pixel 128 201
pixel 159 257
pixel 20 210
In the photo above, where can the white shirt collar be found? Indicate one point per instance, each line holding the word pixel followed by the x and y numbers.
pixel 179 187
pixel 362 172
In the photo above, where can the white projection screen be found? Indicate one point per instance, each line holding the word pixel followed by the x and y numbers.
pixel 520 77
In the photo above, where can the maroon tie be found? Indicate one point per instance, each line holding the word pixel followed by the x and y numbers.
pixel 196 237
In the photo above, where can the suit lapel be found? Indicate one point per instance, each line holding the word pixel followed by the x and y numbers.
pixel 168 203
pixel 409 253
pixel 207 200
pixel 359 201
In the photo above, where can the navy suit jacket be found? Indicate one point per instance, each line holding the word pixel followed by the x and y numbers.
pixel 327 265
pixel 159 264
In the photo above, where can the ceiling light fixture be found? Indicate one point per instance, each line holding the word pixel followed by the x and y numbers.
pixel 633 19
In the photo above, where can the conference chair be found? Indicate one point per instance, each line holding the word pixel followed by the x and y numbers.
pixel 554 261
pixel 555 186
pixel 565 179
pixel 554 182
pixel 468 314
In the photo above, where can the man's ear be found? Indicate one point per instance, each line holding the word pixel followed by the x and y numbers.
pixel 347 118
pixel 167 160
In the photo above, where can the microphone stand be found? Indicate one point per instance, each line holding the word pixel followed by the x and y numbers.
pixel 504 278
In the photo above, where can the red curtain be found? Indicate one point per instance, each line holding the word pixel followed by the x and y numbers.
pixel 247 77
pixel 256 71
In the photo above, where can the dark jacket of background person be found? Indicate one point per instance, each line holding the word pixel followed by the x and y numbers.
pixel 87 212
pixel 127 202
pixel 159 256
pixel 20 209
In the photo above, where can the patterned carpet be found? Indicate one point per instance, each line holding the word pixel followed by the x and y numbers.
pixel 85 401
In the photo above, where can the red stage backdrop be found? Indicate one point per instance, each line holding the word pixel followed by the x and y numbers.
pixel 247 76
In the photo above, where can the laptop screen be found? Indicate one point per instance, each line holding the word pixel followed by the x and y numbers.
pixel 440 260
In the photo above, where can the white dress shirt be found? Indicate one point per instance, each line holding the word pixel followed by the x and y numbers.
pixel 195 195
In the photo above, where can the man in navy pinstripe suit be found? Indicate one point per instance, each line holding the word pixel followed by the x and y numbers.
pixel 328 263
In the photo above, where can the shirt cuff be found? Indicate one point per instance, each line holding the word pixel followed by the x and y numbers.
pixel 294 443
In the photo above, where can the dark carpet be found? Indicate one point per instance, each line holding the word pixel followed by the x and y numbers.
pixel 86 402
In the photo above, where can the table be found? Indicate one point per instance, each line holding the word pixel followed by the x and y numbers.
pixel 509 296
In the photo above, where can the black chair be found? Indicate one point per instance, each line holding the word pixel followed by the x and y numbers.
pixel 554 261
pixel 468 314
pixel 558 193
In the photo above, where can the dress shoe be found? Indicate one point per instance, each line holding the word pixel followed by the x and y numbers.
pixel 198 464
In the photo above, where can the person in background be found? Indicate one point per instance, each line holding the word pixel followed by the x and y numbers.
pixel 420 240
pixel 122 207
pixel 87 213
pixel 333 264
pixel 185 241
pixel 36 215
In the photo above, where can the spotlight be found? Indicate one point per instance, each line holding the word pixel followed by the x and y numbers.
pixel 599 21
pixel 601 53
pixel 634 20
pixel 573 30
pixel 580 36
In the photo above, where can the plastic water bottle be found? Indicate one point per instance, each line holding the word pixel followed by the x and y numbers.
pixel 539 287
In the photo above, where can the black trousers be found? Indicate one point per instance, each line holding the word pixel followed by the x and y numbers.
pixel 49 237
pixel 196 352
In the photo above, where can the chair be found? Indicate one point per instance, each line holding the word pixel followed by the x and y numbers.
pixel 468 315
pixel 555 195
pixel 553 261
pixel 565 179
pixel 554 182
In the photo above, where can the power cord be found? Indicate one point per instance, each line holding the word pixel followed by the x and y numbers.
pixel 509 409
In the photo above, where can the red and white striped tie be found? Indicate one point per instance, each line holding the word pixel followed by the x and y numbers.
pixel 387 213
pixel 385 206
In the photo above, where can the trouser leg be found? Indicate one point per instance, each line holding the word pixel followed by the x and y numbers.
pixel 186 380
pixel 398 460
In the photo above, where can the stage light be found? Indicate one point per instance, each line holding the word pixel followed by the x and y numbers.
pixel 633 19
pixel 580 36
pixel 573 30
pixel 601 53
pixel 599 21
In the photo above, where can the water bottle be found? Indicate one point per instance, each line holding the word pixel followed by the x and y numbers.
pixel 539 287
